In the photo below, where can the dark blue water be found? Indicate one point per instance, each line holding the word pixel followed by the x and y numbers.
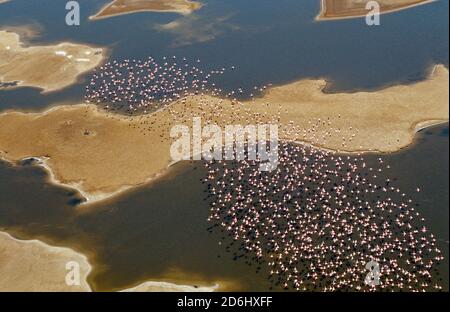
pixel 268 42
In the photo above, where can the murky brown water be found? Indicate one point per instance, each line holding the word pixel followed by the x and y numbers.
pixel 159 231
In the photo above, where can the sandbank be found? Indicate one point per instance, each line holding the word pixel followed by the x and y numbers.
pixel 121 7
pixel 102 153
pixel 32 265
pixel 344 9
pixel 50 67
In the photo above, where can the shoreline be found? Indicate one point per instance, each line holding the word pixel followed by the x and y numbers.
pixel 141 287
pixel 150 285
pixel 60 143
pixel 66 62
pixel 321 18
pixel 417 128
pixel 69 252
pixel 91 199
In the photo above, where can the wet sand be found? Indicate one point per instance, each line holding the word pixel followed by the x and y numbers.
pixel 49 68
pixel 121 7
pixel 167 287
pixel 25 31
pixel 342 9
pixel 101 153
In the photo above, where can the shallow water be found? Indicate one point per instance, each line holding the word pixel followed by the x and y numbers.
pixel 267 42
pixel 158 230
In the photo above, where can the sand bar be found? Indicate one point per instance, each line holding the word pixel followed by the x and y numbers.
pixel 50 67
pixel 121 7
pixel 101 153
pixel 343 9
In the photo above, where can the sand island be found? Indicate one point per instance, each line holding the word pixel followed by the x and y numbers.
pixel 341 9
pixel 102 153
pixel 121 7
pixel 50 67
